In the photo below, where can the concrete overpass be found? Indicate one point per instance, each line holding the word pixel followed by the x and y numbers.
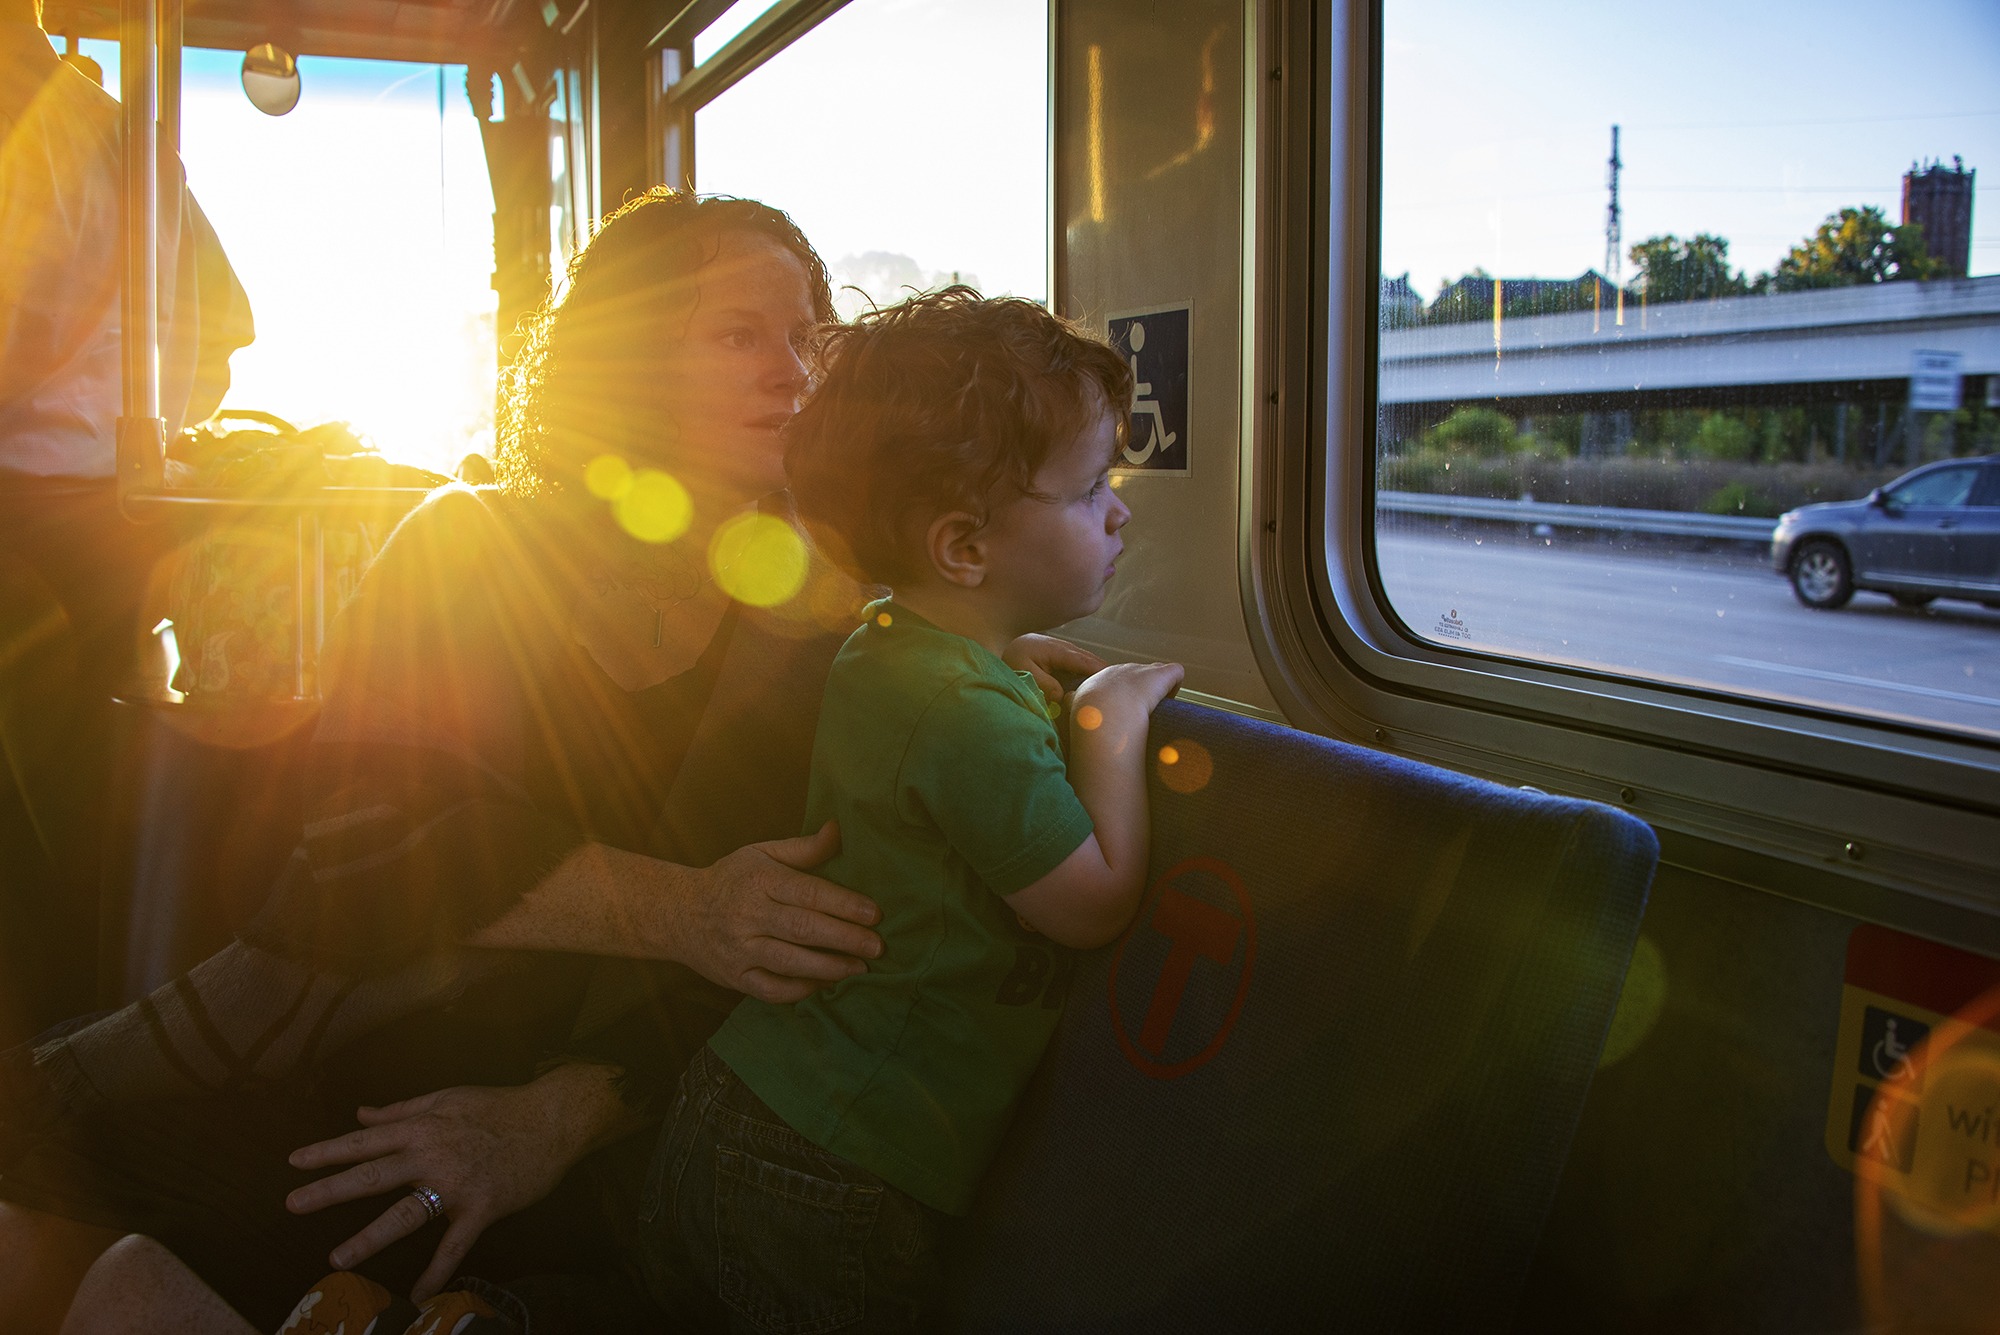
pixel 1850 334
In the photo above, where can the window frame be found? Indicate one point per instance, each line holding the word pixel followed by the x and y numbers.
pixel 1892 805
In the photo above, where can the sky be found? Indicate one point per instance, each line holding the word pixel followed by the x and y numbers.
pixel 915 127
pixel 1752 121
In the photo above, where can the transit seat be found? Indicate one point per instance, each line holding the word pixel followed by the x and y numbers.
pixel 1329 1078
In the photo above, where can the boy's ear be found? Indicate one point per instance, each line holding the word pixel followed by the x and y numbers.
pixel 956 546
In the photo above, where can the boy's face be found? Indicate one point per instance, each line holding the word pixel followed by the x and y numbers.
pixel 1049 557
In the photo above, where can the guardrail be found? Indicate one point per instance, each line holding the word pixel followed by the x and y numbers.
pixel 1674 523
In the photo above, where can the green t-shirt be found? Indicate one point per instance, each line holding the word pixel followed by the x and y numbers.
pixel 945 774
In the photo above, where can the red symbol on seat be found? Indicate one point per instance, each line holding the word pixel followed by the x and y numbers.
pixel 1196 930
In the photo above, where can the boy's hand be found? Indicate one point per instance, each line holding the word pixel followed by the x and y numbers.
pixel 1124 689
pixel 1045 656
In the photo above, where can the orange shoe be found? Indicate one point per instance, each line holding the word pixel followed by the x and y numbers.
pixel 345 1303
pixel 459 1312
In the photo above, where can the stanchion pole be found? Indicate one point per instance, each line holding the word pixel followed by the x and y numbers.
pixel 142 442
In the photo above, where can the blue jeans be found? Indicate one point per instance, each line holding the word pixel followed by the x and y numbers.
pixel 791 1239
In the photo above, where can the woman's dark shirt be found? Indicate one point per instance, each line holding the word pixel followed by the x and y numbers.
pixel 468 745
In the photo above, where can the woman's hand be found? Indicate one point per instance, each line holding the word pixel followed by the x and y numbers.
pixel 485 1152
pixel 1042 656
pixel 755 921
pixel 765 928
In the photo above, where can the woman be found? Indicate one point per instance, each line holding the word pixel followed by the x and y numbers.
pixel 537 726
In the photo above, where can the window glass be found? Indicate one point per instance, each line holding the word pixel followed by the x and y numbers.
pixel 1986 491
pixel 908 160
pixel 1940 486
pixel 1649 283
pixel 361 226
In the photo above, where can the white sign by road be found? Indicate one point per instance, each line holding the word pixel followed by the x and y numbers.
pixel 1934 381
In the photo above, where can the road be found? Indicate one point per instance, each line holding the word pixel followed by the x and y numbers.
pixel 1703 619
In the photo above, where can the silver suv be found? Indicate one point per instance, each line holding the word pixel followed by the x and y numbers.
pixel 1932 533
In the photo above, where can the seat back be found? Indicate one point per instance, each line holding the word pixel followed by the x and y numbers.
pixel 1329 1077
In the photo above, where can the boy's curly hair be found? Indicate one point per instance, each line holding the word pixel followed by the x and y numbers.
pixel 583 381
pixel 948 401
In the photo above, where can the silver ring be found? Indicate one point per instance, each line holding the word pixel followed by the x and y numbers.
pixel 432 1202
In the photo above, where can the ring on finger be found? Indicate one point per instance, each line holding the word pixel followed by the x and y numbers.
pixel 432 1202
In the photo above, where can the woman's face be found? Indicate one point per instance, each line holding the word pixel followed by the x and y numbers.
pixel 731 378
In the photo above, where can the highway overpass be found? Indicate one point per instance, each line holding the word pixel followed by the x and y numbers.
pixel 1850 335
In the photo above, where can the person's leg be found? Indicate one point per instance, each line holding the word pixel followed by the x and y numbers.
pixel 138 1287
pixel 785 1234
pixel 43 1258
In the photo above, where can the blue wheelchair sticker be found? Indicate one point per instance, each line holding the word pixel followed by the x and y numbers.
pixel 1155 344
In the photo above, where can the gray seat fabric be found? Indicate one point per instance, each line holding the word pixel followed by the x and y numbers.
pixel 1329 1078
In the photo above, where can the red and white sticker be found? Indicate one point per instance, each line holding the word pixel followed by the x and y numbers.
pixel 1915 1104
pixel 1195 937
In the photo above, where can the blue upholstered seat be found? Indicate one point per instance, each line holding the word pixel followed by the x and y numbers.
pixel 1329 1078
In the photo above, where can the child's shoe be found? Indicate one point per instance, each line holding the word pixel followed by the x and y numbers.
pixel 460 1312
pixel 345 1303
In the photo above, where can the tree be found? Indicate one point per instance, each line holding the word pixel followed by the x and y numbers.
pixel 1479 431
pixel 1856 246
pixel 1693 270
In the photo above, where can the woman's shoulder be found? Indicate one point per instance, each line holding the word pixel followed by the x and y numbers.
pixel 462 558
pixel 458 533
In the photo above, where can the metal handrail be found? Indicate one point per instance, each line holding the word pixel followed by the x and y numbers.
pixel 142 440
pixel 320 498
pixel 1556 514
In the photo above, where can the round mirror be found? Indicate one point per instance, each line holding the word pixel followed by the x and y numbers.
pixel 270 79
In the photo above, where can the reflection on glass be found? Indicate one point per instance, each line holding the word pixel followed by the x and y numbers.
pixel 900 202
pixel 1630 320
pixel 733 21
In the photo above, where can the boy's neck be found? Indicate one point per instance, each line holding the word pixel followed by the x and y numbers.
pixel 961 612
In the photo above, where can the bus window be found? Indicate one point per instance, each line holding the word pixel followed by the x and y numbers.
pixel 361 224
pixel 1648 286
pixel 908 140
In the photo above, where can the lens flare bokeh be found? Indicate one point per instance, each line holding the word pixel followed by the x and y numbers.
pixel 758 559
pixel 655 507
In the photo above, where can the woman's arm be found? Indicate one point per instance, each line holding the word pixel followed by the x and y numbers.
pixel 486 1152
pixel 755 921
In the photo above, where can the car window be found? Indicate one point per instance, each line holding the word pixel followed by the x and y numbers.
pixel 1986 491
pixel 1943 486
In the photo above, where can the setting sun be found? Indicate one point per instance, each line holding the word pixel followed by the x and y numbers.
pixel 361 227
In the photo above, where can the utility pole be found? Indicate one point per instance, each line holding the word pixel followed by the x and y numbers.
pixel 1614 233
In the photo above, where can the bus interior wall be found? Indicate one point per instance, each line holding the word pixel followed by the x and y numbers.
pixel 1699 1192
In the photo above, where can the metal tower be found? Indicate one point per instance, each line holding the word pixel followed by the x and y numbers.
pixel 1614 233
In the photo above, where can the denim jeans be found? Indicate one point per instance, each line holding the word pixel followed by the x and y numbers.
pixel 791 1239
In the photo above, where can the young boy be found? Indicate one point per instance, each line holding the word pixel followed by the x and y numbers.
pixel 958 451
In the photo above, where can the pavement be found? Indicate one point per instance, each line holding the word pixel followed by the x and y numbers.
pixel 1717 620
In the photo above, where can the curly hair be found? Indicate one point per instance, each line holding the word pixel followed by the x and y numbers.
pixel 584 377
pixel 948 401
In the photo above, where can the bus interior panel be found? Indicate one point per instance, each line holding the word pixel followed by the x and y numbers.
pixel 1574 895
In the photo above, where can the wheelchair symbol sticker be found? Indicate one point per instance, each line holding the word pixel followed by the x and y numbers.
pixel 1154 344
pixel 1886 1043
